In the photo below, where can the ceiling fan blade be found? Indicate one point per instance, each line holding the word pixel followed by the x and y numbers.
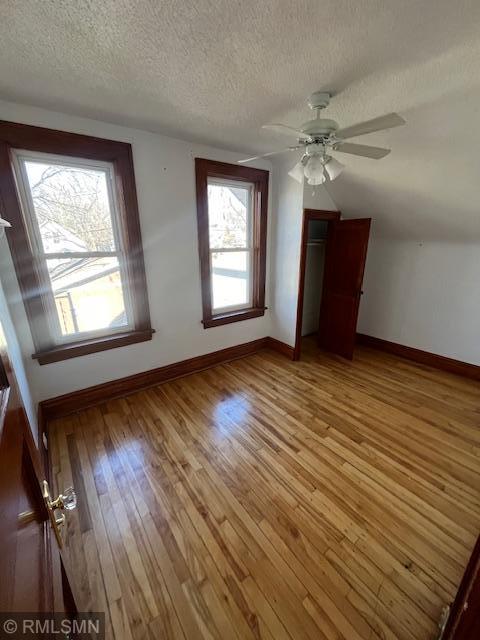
pixel 377 124
pixel 362 150
pixel 285 130
pixel 270 153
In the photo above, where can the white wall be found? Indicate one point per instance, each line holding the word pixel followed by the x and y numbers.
pixel 13 347
pixel 285 235
pixel 290 198
pixel 424 295
pixel 317 198
pixel 164 170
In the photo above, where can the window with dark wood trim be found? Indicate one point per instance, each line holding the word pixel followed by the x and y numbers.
pixel 75 240
pixel 232 240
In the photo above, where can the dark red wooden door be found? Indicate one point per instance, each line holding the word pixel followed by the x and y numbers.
pixel 464 620
pixel 33 578
pixel 342 286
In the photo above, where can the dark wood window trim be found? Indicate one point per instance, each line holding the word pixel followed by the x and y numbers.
pixel 30 138
pixel 205 169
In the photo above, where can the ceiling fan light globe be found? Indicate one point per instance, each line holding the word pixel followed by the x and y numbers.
pixel 314 170
pixel 334 168
pixel 296 172
pixel 316 181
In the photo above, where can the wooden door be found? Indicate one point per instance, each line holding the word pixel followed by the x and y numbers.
pixel 345 257
pixel 464 620
pixel 33 578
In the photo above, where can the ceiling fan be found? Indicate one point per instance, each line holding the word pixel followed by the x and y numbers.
pixel 321 134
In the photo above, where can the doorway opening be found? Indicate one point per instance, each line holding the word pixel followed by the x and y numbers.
pixel 314 270
pixel 339 289
pixel 315 231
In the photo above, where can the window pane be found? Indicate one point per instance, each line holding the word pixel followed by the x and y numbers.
pixel 88 294
pixel 230 279
pixel 228 209
pixel 72 207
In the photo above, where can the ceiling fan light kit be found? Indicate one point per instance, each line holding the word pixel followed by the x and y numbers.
pixel 296 172
pixel 334 168
pixel 314 170
pixel 318 135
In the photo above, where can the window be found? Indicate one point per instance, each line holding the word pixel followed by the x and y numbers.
pixel 230 238
pixel 75 240
pixel 232 220
pixel 72 219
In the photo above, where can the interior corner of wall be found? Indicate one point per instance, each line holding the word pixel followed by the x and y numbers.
pixel 318 197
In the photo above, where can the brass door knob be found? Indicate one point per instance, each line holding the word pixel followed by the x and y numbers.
pixel 64 501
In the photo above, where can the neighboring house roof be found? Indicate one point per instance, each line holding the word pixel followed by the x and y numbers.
pixel 56 238
pixel 80 271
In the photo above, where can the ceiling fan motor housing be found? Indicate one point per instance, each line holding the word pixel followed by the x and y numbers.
pixel 319 128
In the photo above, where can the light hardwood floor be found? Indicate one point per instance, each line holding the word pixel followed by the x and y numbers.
pixel 266 499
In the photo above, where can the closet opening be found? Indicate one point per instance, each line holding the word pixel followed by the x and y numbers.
pixel 315 230
pixel 332 262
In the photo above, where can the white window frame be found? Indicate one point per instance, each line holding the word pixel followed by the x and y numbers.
pixel 19 157
pixel 247 249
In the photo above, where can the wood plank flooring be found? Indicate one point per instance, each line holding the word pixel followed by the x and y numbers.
pixel 266 499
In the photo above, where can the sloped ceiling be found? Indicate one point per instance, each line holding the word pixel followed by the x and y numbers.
pixel 215 70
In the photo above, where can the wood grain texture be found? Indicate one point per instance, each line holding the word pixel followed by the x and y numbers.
pixel 422 357
pixel 464 622
pixel 345 257
pixel 83 348
pixel 71 402
pixel 29 556
pixel 271 499
pixel 281 347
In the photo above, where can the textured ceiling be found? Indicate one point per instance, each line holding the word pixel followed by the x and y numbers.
pixel 215 70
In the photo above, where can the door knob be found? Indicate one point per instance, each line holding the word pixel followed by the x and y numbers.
pixel 64 501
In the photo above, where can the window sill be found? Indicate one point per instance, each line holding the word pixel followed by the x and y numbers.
pixel 233 316
pixel 76 349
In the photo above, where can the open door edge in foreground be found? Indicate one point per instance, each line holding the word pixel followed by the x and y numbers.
pixel 33 574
